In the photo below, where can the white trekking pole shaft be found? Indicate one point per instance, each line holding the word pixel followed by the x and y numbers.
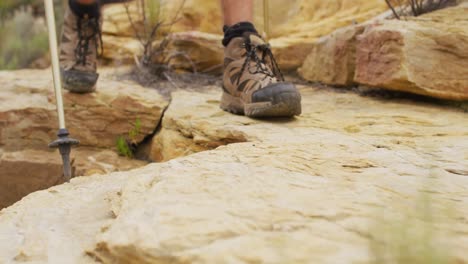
pixel 63 143
pixel 50 17
pixel 266 18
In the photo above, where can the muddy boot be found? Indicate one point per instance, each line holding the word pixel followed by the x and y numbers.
pixel 81 37
pixel 252 83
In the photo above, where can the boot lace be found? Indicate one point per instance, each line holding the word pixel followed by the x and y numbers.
pixel 88 30
pixel 264 64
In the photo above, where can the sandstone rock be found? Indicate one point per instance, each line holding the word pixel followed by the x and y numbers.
pixel 71 230
pixel 259 194
pixel 27 171
pixel 28 117
pixel 21 174
pixel 311 19
pixel 202 50
pixel 290 52
pixel 286 16
pixel 294 26
pixel 426 55
pixel 206 52
pixel 333 58
pixel 205 128
pixel 121 50
pixel 192 17
pixel 302 190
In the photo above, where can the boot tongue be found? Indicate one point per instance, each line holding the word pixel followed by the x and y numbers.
pixel 254 39
pixel 264 56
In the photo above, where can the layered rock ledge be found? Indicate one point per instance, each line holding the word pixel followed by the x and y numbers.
pixel 28 123
pixel 426 55
pixel 28 117
pixel 294 26
pixel 299 190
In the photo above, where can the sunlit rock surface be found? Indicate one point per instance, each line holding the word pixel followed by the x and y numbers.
pixel 332 59
pixel 304 190
pixel 28 123
pixel 310 18
pixel 293 26
pixel 26 171
pixel 28 118
pixel 427 55
pixel 416 55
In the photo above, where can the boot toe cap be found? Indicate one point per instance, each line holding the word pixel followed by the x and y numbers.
pixel 274 93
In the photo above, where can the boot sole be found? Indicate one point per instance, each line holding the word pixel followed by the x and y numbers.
pixel 287 104
pixel 78 81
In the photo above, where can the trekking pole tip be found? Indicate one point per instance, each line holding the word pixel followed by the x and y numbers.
pixel 64 144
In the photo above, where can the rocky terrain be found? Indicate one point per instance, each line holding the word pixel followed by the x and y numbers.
pixel 373 171
pixel 295 190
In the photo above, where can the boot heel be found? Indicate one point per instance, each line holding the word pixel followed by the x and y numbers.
pixel 232 104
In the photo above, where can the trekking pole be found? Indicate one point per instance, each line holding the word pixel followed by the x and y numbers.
pixel 266 18
pixel 63 143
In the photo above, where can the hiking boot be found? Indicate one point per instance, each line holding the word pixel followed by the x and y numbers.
pixel 81 37
pixel 253 84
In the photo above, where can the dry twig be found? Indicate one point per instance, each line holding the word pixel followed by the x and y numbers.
pixel 416 7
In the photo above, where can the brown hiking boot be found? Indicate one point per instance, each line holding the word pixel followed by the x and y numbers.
pixel 81 37
pixel 253 84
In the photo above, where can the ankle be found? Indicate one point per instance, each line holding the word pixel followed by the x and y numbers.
pixel 237 30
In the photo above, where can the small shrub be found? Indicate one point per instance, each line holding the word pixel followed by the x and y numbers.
pixel 23 31
pixel 416 7
pixel 156 58
pixel 135 131
pixel 126 144
pixel 24 39
pixel 123 148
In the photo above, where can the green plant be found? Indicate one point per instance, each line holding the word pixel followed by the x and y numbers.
pixel 133 133
pixel 123 148
pixel 23 32
pixel 23 40
pixel 155 57
pixel 126 144
pixel 8 7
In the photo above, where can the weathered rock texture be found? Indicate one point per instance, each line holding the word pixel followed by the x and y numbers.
pixel 27 171
pixel 286 16
pixel 121 50
pixel 202 129
pixel 299 191
pixel 315 18
pixel 427 56
pixel 333 58
pixel 28 116
pixel 196 50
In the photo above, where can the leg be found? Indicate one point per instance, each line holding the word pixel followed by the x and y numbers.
pixel 81 38
pixel 236 11
pixel 252 82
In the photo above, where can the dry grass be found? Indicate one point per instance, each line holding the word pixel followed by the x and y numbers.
pixel 416 7
pixel 156 57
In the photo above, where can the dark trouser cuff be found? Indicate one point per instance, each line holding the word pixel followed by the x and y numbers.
pixel 92 10
pixel 236 31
